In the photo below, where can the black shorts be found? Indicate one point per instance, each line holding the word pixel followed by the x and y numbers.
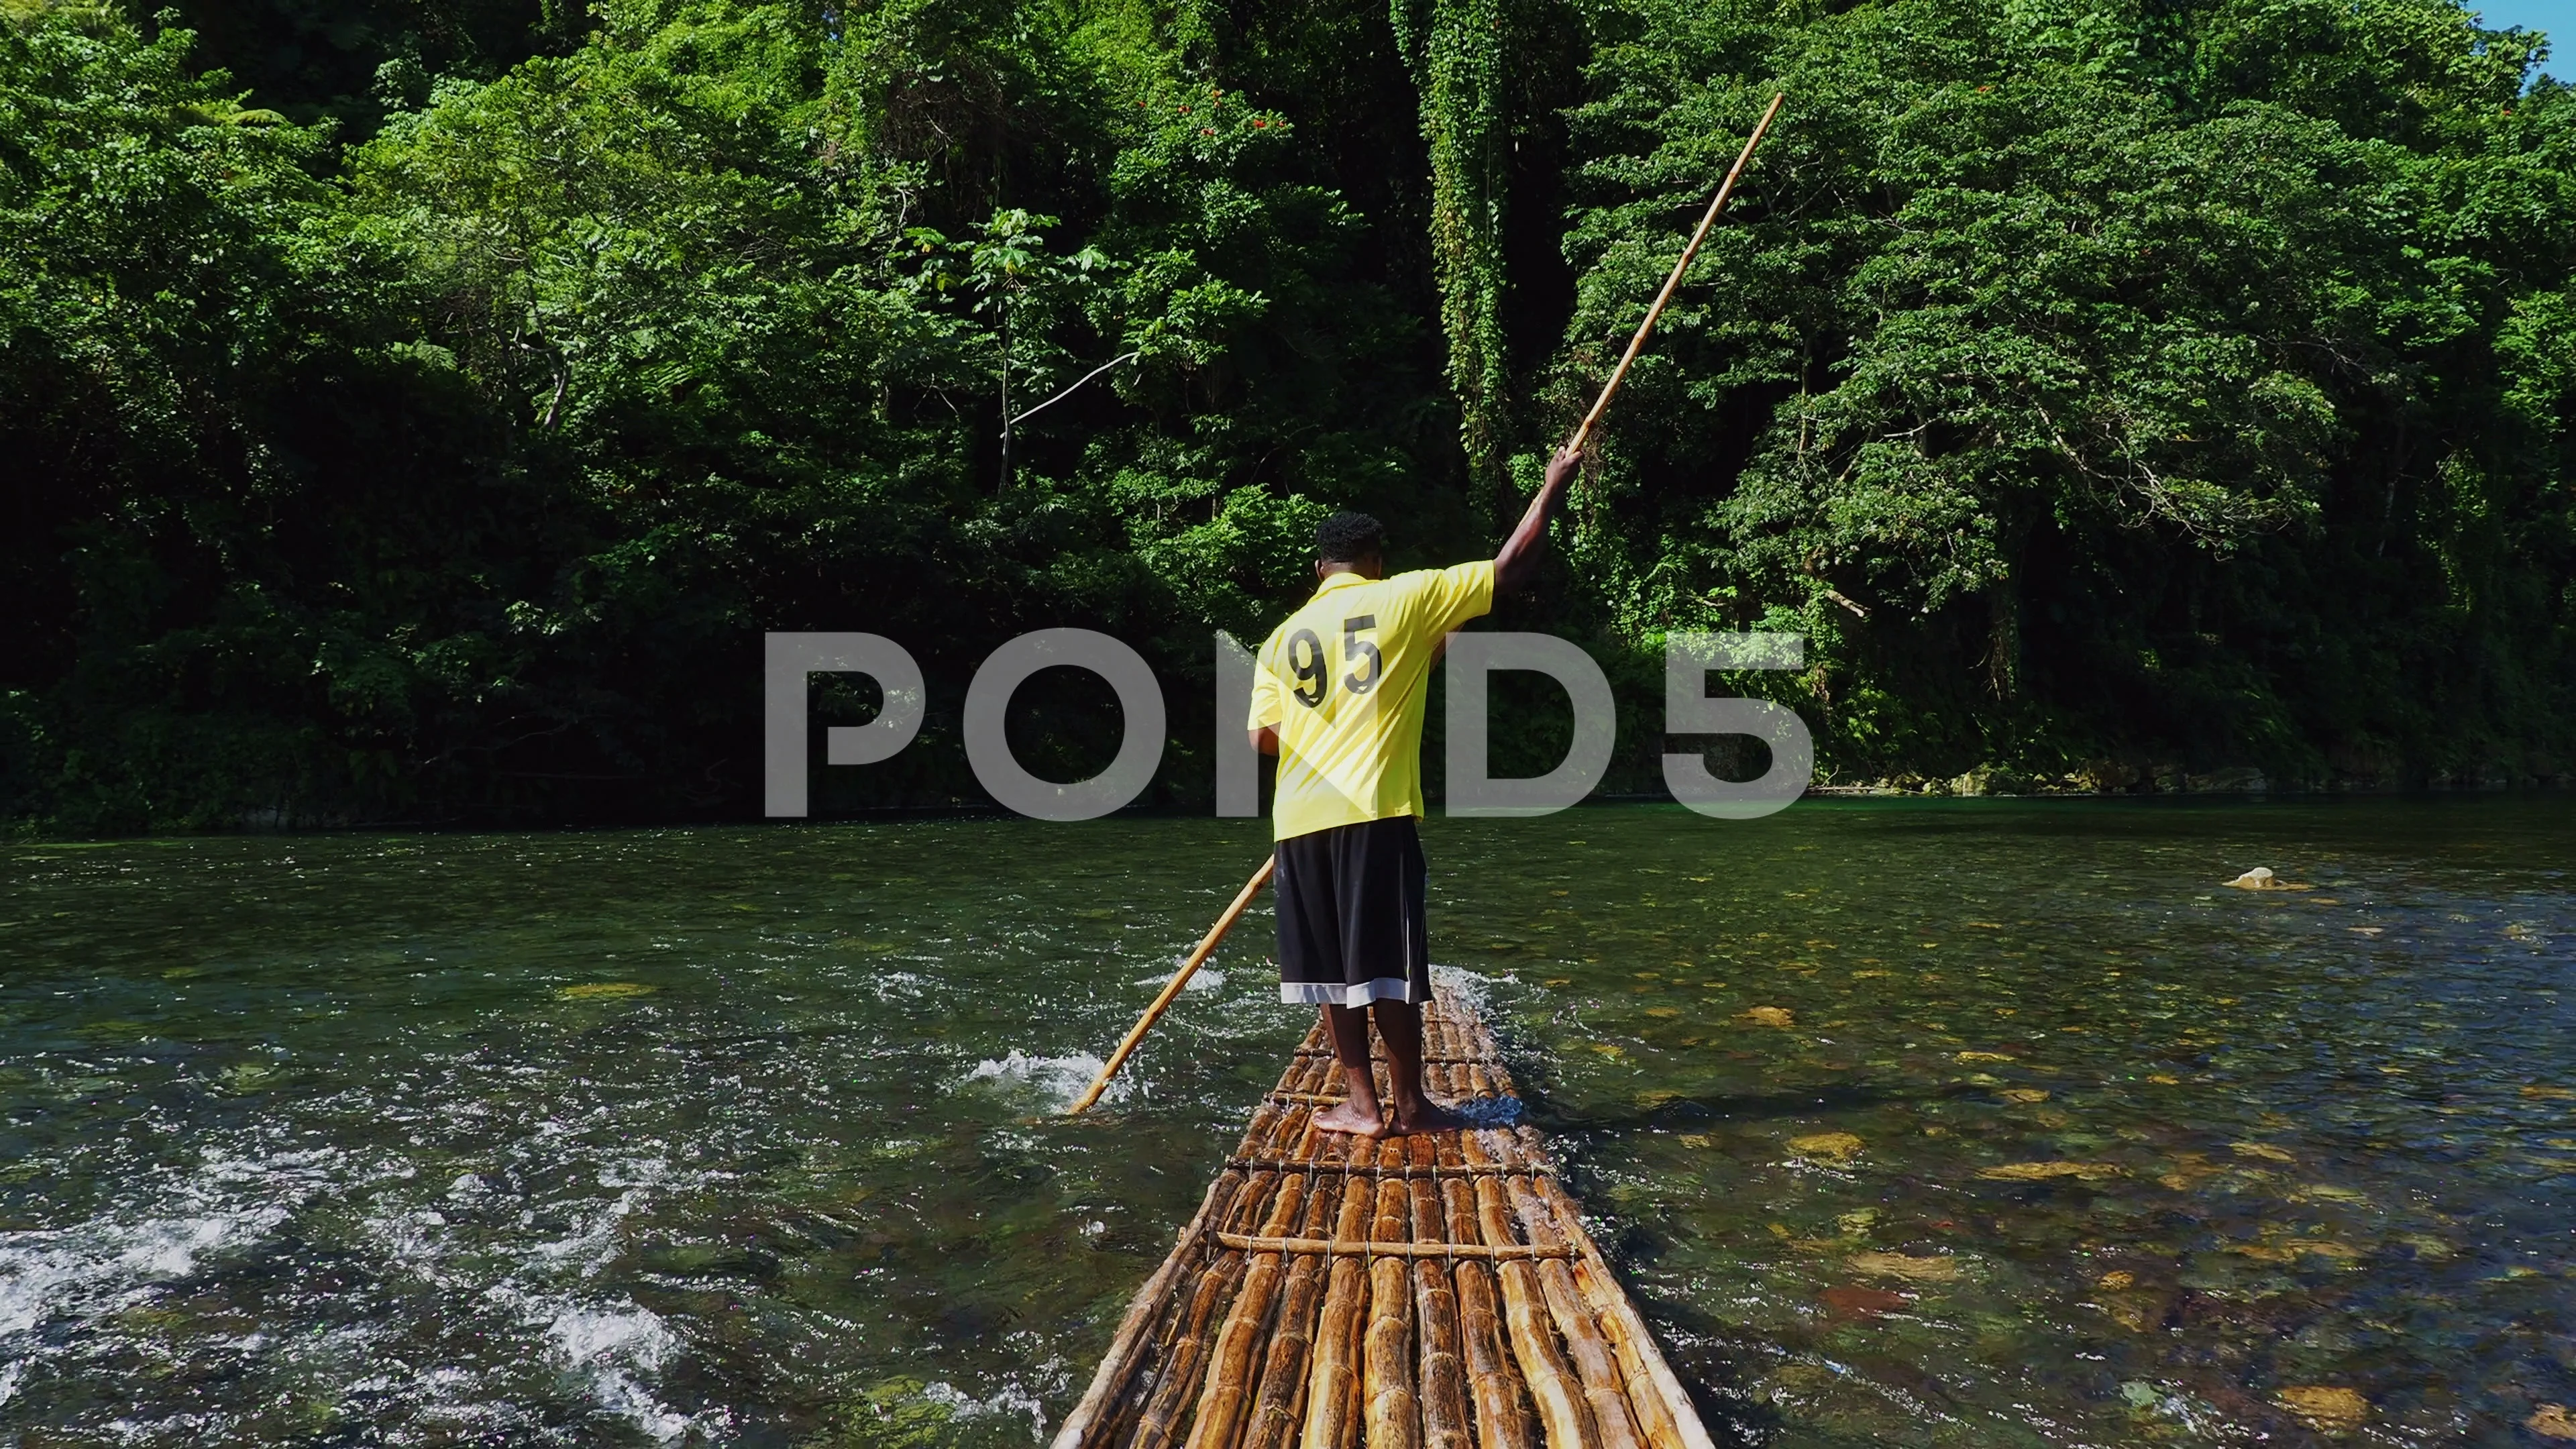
pixel 1350 915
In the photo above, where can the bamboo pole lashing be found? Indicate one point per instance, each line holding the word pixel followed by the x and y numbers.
pixel 1409 1170
pixel 1428 1058
pixel 1368 1248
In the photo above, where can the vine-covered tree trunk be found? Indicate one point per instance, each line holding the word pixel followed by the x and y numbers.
pixel 1455 50
pixel 2003 638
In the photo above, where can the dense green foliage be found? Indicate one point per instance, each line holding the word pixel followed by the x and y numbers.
pixel 2186 380
pixel 2101 389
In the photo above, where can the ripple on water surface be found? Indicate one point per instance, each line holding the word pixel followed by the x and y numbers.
pixel 1961 1124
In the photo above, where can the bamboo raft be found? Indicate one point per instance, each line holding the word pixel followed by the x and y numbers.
pixel 1427 1292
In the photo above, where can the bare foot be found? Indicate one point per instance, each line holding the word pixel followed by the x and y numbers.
pixel 1427 1116
pixel 1347 1117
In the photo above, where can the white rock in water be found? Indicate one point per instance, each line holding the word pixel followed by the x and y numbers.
pixel 2258 879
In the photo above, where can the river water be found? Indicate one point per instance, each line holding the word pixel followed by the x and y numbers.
pixel 1951 1123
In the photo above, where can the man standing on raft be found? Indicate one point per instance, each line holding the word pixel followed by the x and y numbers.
pixel 1338 695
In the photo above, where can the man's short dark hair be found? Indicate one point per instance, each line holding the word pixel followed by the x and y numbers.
pixel 1348 537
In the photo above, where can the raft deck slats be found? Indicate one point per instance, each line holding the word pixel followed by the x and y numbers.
pixel 1426 1292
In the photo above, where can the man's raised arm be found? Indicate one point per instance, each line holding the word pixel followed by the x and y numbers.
pixel 1516 567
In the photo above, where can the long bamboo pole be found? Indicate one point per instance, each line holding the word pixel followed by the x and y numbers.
pixel 1279 1404
pixel 1227 1397
pixel 1333 1377
pixel 1619 374
pixel 1172 988
pixel 1527 1324
pixel 1596 1364
pixel 1391 1402
pixel 1178 1373
pixel 1491 1375
pixel 1082 1427
pixel 1582 434
pixel 1663 1410
pixel 1493 1378
pixel 1442 1374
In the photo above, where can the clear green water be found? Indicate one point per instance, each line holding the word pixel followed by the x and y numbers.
pixel 743 1136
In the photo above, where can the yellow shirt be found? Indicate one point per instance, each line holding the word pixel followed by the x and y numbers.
pixel 1345 680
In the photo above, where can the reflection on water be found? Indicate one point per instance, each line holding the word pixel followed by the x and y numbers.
pixel 1962 1123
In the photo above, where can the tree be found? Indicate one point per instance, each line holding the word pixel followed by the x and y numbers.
pixel 2072 328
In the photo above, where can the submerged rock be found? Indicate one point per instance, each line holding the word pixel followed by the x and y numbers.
pixel 2042 1171
pixel 2552 1421
pixel 603 991
pixel 2325 1407
pixel 1912 1270
pixel 1834 1147
pixel 2188 1171
pixel 2292 1250
pixel 1777 1016
pixel 2261 878
pixel 1854 1301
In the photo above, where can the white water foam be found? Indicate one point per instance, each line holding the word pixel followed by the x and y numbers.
pixel 1472 988
pixel 91 1272
pixel 898 986
pixel 588 1334
pixel 62 1288
pixel 1058 1079
pixel 610 1347
pixel 592 1245
pixel 1208 979
pixel 104 1267
pixel 1010 1399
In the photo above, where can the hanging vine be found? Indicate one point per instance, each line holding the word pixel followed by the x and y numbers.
pixel 1455 48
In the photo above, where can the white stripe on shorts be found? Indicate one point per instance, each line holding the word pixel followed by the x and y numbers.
pixel 1333 993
